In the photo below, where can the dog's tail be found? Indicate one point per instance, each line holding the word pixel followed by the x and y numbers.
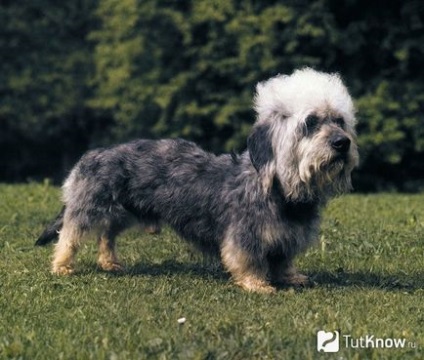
pixel 51 232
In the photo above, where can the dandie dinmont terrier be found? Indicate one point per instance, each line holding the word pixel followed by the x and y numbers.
pixel 256 210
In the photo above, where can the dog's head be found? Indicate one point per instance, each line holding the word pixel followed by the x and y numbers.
pixel 304 135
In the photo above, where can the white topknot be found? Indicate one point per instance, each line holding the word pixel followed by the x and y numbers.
pixel 301 93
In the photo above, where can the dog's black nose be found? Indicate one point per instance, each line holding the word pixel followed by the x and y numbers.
pixel 340 143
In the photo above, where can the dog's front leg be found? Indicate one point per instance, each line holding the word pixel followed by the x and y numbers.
pixel 248 271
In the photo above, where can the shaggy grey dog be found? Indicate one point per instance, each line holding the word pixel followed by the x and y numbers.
pixel 256 210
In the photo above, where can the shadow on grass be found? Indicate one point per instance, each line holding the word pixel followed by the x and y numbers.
pixel 339 278
pixel 170 267
pixel 393 282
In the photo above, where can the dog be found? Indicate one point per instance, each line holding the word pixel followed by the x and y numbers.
pixel 256 210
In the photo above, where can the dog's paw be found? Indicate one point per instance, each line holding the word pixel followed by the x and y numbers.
pixel 63 270
pixel 256 285
pixel 296 279
pixel 112 266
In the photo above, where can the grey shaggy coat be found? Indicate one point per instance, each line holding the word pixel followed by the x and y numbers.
pixel 198 193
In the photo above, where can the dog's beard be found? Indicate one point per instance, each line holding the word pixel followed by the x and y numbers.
pixel 334 180
pixel 319 179
pixel 329 177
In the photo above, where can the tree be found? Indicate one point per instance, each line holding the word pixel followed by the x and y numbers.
pixel 112 70
pixel 188 68
pixel 45 68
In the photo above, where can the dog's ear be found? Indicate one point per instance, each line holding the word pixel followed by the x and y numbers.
pixel 260 147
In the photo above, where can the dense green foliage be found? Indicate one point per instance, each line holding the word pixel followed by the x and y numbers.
pixel 85 73
pixel 44 72
pixel 368 270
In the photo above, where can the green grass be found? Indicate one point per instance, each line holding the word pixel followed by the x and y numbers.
pixel 368 270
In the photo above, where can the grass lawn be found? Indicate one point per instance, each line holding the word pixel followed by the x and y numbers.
pixel 368 269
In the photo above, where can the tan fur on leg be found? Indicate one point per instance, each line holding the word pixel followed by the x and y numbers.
pixel 245 273
pixel 65 250
pixel 254 283
pixel 108 260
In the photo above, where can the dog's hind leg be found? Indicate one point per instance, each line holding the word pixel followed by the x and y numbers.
pixel 108 259
pixel 70 238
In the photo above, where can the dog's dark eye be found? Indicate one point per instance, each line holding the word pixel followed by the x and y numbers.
pixel 339 122
pixel 311 122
